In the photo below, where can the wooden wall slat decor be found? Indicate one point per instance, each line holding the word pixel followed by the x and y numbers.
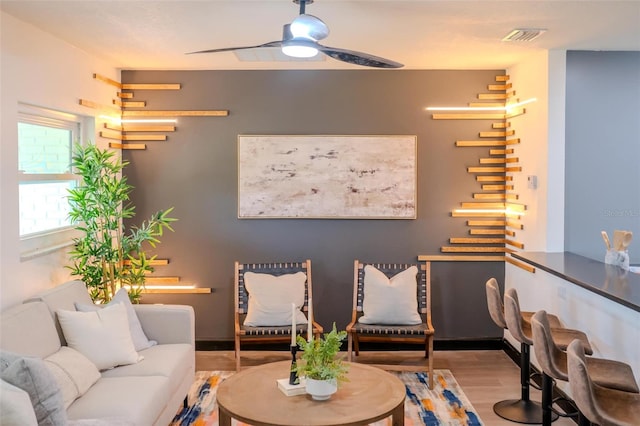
pixel 161 86
pixel 497 187
pixel 485 205
pixel 130 104
pixel 478 214
pixel 494 178
pixel 521 265
pixel 448 258
pixel 499 86
pixel 481 169
pixel 449 249
pixel 123 95
pixel 147 128
pixel 162 280
pixel 90 104
pixel 483 231
pixel 152 262
pixel 516 112
pixel 459 240
pixel 494 96
pixel 501 151
pixel 175 113
pixel 514 224
pixel 121 137
pixel 116 145
pixel 499 160
pixel 481 143
pixel 497 196
pixel 107 80
pixel 502 223
pixel 144 137
pixel 468 116
pixel 515 244
pixel 499 169
pixel 486 104
pixel 497 134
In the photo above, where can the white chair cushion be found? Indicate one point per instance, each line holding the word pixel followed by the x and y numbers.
pixel 270 298
pixel 390 301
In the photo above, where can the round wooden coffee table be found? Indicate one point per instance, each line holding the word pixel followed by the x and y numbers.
pixel 252 396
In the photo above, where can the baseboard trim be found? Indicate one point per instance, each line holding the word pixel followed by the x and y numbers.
pixel 438 345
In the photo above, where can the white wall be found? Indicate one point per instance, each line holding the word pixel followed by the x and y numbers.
pixel 541 150
pixel 37 69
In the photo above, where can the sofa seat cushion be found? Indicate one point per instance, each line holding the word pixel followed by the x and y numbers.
pixel 171 361
pixel 138 400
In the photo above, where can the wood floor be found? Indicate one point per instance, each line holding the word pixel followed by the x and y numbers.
pixel 485 376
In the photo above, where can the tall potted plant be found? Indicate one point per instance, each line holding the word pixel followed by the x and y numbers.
pixel 320 365
pixel 106 256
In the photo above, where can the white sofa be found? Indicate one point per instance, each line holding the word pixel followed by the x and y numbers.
pixel 146 393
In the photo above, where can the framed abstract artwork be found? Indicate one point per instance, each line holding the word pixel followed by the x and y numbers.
pixel 326 176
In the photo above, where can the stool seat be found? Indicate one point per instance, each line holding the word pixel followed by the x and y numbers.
pixel 603 406
pixel 553 358
pixel 521 330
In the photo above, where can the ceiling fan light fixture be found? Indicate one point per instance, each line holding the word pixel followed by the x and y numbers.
pixel 299 48
pixel 309 27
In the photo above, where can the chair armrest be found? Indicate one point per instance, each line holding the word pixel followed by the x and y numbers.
pixel 167 323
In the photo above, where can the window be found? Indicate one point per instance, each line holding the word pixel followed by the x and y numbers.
pixel 45 146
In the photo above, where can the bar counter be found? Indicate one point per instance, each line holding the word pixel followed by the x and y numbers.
pixel 601 300
pixel 608 281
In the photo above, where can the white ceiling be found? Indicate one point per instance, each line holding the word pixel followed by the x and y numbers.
pixel 422 34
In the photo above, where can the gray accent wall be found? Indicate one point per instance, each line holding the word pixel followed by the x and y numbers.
pixel 196 171
pixel 602 173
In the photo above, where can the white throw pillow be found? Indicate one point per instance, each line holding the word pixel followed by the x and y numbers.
pixel 73 371
pixel 102 336
pixel 32 376
pixel 390 301
pixel 140 340
pixel 270 298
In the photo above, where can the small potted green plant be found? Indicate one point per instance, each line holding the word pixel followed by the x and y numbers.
pixel 320 365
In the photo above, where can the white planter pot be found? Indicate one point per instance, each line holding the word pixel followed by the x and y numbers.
pixel 321 390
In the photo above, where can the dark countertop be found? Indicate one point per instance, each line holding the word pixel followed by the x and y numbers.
pixel 608 281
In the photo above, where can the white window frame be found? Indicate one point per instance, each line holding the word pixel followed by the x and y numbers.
pixel 45 242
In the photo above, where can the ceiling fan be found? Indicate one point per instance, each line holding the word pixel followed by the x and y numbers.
pixel 300 40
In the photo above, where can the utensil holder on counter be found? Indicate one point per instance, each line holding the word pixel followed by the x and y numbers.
pixel 618 258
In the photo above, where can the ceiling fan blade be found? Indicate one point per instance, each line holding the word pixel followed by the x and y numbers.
pixel 277 43
pixel 358 58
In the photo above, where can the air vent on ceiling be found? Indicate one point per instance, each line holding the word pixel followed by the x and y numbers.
pixel 524 34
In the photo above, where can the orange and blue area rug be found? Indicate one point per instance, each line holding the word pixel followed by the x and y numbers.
pixel 445 405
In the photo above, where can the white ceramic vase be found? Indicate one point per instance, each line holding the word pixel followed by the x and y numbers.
pixel 321 390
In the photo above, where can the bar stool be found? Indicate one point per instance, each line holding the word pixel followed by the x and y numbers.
pixel 521 410
pixel 601 405
pixel 521 331
pixel 553 362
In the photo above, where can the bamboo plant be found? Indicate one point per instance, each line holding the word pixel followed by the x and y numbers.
pixel 107 256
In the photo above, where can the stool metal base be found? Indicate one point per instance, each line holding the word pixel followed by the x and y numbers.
pixel 521 411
